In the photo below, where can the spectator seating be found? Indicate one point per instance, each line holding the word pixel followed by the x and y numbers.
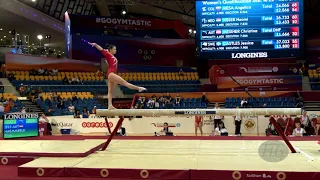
pixel 185 103
pixel 157 82
pixel 1 88
pixel 85 100
pixel 91 82
pixel 17 103
pixel 313 74
pixel 272 102
pixel 85 76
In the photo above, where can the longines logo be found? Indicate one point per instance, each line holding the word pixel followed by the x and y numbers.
pixel 249 55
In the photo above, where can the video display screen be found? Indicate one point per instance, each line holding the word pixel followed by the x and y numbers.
pixel 249 29
pixel 20 125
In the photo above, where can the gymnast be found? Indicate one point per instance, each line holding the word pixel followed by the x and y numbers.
pixel 112 77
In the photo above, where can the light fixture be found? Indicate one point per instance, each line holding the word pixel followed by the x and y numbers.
pixel 4 36
pixel 190 30
pixel 32 44
pixel 123 12
pixel 1 29
pixel 39 37
pixel 194 31
pixel 33 0
pixel 0 39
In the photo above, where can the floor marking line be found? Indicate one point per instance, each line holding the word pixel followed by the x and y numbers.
pixel 305 154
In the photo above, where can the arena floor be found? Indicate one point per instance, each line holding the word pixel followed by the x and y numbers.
pixel 173 159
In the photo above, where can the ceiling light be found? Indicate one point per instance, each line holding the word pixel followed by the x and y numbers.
pixel 32 44
pixel 4 36
pixel 190 30
pixel 39 37
pixel 194 31
pixel 18 34
pixel 0 39
pixel 1 29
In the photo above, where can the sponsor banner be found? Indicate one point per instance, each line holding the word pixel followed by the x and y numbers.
pixel 253 70
pixel 260 83
pixel 89 24
pixel 148 125
pixel 17 62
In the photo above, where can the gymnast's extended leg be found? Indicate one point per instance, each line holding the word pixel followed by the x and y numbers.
pixel 111 87
pixel 119 80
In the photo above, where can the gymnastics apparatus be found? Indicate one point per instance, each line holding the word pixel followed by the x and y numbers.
pixel 193 112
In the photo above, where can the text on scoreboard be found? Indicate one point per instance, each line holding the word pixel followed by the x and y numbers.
pixel 242 29
pixel 20 125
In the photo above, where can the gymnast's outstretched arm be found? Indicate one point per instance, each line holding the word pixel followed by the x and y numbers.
pixel 96 46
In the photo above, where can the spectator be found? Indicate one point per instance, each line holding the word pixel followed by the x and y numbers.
pixel 44 119
pixel 94 110
pixel 168 99
pixel 204 98
pixel 23 110
pixel 161 99
pixel 99 73
pixel 65 81
pixel 11 103
pixel 298 131
pixel 177 99
pixel 1 108
pixel 41 71
pixel 217 118
pixel 7 108
pixel 165 131
pixel 70 81
pixel 22 90
pixel 85 113
pixel 316 125
pixel 154 97
pixel 46 72
pixel 33 72
pixel 54 72
pixel 305 122
pixel 181 73
pixel 71 108
pixel 60 105
pixel 150 103
pixel 74 80
pixel 50 111
pixel 74 98
pixel 11 77
pixel 28 90
pixel 80 81
pixel 139 104
pixel 220 130
pixel 77 114
pixel 244 103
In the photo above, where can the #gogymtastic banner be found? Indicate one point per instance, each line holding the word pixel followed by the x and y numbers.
pixel 260 83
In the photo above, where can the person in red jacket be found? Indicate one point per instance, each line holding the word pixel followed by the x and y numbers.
pixel 112 77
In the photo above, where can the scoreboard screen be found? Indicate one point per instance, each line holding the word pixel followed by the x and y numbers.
pixel 20 125
pixel 249 29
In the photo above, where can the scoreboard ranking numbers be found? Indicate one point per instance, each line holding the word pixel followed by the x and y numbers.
pixel 228 27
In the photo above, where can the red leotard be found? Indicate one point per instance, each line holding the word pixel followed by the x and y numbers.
pixel 198 119
pixel 112 62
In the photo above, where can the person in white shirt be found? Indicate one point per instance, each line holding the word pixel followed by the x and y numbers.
pixel 244 103
pixel 298 131
pixel 71 108
pixel 54 72
pixel 237 122
pixel 41 71
pixel 221 129
pixel 305 121
pixel 150 103
pixel 23 110
pixel 1 108
pixel 217 118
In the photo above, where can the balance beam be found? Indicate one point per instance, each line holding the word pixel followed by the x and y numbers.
pixel 194 112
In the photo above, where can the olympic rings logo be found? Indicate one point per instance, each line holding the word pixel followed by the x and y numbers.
pixel 96 125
